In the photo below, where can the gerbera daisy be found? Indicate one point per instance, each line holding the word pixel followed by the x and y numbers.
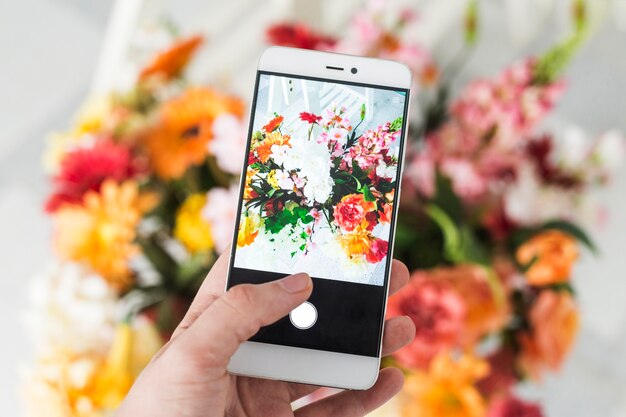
pixel 273 124
pixel 101 231
pixel 84 169
pixel 180 139
pixel 170 62
pixel 264 149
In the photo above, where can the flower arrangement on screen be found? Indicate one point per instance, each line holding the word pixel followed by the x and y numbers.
pixel 490 221
pixel 336 177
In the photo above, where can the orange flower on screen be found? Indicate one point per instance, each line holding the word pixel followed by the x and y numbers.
pixel 248 229
pixel 101 231
pixel 273 124
pixel 170 63
pixel 552 254
pixel 485 312
pixel 446 389
pixel 181 137
pixel 264 149
pixel 554 324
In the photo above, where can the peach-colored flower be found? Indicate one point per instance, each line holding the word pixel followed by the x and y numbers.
pixel 485 311
pixel 350 212
pixel 438 313
pixel 554 324
pixel 446 389
pixel 552 254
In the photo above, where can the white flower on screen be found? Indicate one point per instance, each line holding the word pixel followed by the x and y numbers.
pixel 339 135
pixel 312 162
pixel 220 212
pixel 71 309
pixel 280 153
pixel 284 180
pixel 318 189
pixel 229 142
pixel 386 171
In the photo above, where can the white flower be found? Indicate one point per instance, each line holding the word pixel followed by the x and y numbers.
pixel 318 189
pixel 284 180
pixel 280 153
pixel 571 149
pixel 609 150
pixel 386 171
pixel 72 309
pixel 220 212
pixel 229 143
pixel 339 135
pixel 312 162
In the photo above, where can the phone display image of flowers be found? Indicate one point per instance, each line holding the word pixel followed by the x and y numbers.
pixel 321 179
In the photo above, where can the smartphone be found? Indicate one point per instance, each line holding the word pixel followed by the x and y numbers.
pixel 319 194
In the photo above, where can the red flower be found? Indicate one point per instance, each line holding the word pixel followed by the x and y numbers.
pixel 501 375
pixel 438 313
pixel 351 211
pixel 377 250
pixel 298 36
pixel 273 124
pixel 85 169
pixel 310 117
pixel 513 407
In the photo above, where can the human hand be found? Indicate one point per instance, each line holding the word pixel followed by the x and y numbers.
pixel 188 376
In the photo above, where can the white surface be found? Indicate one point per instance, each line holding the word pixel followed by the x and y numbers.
pixel 306 366
pixel 49 48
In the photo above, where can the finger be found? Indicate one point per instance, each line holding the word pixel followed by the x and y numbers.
pixel 399 332
pixel 357 403
pixel 239 314
pixel 399 276
pixel 212 288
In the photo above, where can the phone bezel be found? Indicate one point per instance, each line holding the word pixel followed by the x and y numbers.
pixel 295 364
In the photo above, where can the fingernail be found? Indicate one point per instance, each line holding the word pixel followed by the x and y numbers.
pixel 295 283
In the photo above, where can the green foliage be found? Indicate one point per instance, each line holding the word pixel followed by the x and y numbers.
pixel 396 125
pixel 274 224
pixel 471 23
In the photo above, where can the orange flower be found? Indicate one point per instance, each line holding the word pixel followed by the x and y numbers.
pixel 446 389
pixel 180 139
pixel 273 124
pixel 553 327
pixel 101 232
pixel 485 313
pixel 264 149
pixel 170 63
pixel 553 253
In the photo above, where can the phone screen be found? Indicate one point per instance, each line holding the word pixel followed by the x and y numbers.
pixel 319 192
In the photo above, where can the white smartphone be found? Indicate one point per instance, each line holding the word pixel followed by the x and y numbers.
pixel 319 194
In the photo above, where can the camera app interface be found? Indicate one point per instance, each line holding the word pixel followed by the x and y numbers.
pixel 318 197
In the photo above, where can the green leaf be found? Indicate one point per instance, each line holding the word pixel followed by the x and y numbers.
pixel 362 111
pixel 367 193
pixel 446 199
pixel 396 125
pixel 451 233
pixel 471 22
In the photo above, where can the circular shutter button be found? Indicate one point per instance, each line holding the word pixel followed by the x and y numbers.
pixel 304 316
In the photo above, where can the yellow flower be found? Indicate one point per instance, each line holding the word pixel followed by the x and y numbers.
pixel 272 180
pixel 191 229
pixel 102 231
pixel 446 389
pixel 89 384
pixel 248 229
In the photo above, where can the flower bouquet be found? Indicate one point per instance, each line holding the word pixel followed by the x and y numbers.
pixel 491 219
pixel 293 195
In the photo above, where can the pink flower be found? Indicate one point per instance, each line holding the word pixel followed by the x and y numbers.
pixel 438 313
pixel 350 212
pixel 229 143
pixel 513 407
pixel 420 173
pixel 466 180
pixel 377 251
pixel 220 212
pixel 501 374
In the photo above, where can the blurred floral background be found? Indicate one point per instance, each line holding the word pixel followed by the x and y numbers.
pixel 546 73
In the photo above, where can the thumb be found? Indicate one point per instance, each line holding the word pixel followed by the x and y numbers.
pixel 238 315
